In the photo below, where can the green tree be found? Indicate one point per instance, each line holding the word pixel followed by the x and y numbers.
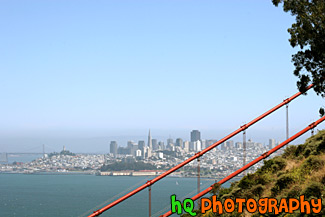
pixel 308 32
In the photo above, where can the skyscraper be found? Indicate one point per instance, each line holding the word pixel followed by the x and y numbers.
pixel 161 145
pixel 271 143
pixel 186 146
pixel 179 142
pixel 113 148
pixel 154 144
pixel 142 147
pixel 229 144
pixel 123 150
pixel 197 145
pixel 195 135
pixel 149 141
pixel 141 144
pixel 133 147
pixel 149 145
pixel 239 145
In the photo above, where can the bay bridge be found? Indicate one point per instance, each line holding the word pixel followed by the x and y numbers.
pixel 37 150
pixel 199 155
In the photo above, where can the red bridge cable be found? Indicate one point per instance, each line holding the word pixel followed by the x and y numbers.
pixel 242 128
pixel 263 156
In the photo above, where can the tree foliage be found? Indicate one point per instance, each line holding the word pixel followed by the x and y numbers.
pixel 308 32
pixel 136 166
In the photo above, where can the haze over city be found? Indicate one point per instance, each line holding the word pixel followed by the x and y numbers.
pixel 84 74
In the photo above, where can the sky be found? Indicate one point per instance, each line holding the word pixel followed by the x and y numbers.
pixel 82 73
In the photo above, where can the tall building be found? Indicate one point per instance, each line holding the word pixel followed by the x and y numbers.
pixel 149 145
pixel 186 146
pixel 130 144
pixel 113 148
pixel 131 147
pixel 161 145
pixel 203 144
pixel 141 144
pixel 170 141
pixel 239 145
pixel 229 144
pixel 179 142
pixel 224 146
pixel 149 140
pixel 195 135
pixel 123 150
pixel 142 147
pixel 144 153
pixel 192 146
pixel 148 152
pixel 197 145
pixel 250 144
pixel 272 143
pixel 154 144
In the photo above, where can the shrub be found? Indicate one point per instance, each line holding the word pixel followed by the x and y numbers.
pixel 273 165
pixel 312 163
pixel 294 192
pixel 261 179
pixel 313 189
pixel 307 152
pixel 299 150
pixel 258 190
pixel 283 182
pixel 215 189
pixel 236 192
pixel 247 194
pixel 289 151
pixel 313 145
pixel 224 191
pixel 321 146
pixel 247 181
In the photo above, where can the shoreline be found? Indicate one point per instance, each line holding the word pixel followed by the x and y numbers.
pixel 94 174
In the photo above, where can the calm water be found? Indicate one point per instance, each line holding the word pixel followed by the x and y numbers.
pixel 78 195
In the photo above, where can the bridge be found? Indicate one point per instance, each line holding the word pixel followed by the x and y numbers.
pixel 4 156
pixel 242 129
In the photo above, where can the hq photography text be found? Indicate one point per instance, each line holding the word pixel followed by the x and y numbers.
pixel 263 205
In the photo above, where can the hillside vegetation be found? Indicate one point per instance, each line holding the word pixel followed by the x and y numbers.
pixel 299 171
pixel 136 166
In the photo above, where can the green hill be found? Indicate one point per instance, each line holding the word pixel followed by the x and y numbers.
pixel 299 171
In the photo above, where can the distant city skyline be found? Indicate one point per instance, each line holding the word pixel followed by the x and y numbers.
pixel 146 151
pixel 103 144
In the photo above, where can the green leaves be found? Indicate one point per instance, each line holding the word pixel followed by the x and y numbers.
pixel 308 32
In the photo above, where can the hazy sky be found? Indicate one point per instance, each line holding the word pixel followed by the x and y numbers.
pixel 78 73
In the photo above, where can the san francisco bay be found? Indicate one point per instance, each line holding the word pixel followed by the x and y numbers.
pixel 24 195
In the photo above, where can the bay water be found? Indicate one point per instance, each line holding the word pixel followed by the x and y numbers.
pixel 30 195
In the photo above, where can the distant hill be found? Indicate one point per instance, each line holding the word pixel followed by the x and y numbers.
pixel 300 170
